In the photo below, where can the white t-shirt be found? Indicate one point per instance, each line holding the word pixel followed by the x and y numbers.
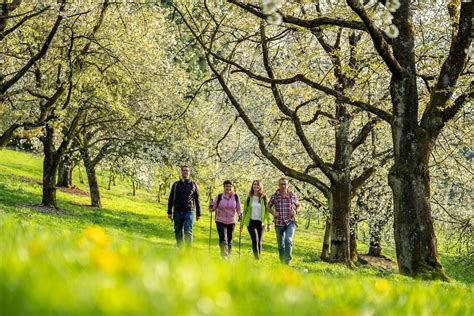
pixel 256 213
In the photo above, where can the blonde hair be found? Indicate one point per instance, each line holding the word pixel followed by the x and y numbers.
pixel 260 192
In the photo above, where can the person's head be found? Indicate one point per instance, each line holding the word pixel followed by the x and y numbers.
pixel 283 185
pixel 228 186
pixel 185 172
pixel 256 189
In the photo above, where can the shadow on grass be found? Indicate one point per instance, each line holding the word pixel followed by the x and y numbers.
pixel 129 222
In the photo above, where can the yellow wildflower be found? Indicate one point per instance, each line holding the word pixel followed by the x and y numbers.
pixel 97 235
pixel 382 285
pixel 107 260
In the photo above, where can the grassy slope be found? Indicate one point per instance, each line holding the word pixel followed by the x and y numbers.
pixel 122 259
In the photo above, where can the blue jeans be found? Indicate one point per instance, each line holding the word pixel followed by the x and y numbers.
pixel 284 236
pixel 183 222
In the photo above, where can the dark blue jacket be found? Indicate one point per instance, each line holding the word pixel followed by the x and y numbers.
pixel 184 196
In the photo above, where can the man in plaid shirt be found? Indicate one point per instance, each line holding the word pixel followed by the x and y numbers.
pixel 286 206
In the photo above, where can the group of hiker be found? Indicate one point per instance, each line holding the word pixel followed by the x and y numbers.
pixel 259 212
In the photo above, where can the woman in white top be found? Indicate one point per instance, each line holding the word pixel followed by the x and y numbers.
pixel 256 215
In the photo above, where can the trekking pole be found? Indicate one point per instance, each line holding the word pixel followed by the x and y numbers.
pixel 210 233
pixel 240 234
pixel 210 222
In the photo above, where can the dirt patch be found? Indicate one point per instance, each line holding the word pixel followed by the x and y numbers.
pixel 30 180
pixel 84 205
pixel 380 263
pixel 45 209
pixel 73 190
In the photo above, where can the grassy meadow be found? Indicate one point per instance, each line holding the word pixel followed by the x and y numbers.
pixel 122 260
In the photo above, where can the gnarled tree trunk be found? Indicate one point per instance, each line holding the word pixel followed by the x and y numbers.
pixel 65 169
pixel 340 247
pixel 415 238
pixel 375 243
pixel 353 237
pixel 50 167
pixel 91 178
pixel 326 242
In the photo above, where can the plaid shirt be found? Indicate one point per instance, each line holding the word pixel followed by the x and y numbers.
pixel 282 208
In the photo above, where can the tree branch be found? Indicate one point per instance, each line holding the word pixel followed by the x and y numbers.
pixel 23 20
pixel 309 24
pixel 381 45
pixel 363 133
pixel 357 182
pixel 4 86
pixel 452 68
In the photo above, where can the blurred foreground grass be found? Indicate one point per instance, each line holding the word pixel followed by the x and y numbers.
pixel 122 260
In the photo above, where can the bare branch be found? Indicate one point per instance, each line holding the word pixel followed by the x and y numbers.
pixel 309 24
pixel 381 45
pixel 363 133
pixel 4 86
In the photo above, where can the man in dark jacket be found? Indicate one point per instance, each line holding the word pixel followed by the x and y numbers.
pixel 184 199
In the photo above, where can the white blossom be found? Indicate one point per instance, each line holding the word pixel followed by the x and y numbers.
pixel 393 5
pixel 271 6
pixel 274 19
pixel 392 31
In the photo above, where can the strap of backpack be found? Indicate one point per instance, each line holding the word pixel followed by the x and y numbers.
pixel 219 198
pixel 174 195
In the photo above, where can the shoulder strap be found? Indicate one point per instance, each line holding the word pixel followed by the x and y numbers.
pixel 219 198
pixel 265 201
pixel 292 197
pixel 174 195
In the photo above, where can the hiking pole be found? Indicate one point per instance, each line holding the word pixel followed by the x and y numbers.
pixel 210 222
pixel 210 233
pixel 240 234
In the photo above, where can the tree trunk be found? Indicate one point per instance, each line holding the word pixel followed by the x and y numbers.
pixel 65 172
pixel 353 237
pixel 409 180
pixel 91 179
pixel 134 188
pixel 340 249
pixel 415 239
pixel 326 242
pixel 375 243
pixel 111 179
pixel 50 167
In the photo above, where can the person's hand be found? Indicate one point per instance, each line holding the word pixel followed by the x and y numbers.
pixel 198 218
pixel 240 217
pixel 292 213
pixel 170 216
pixel 268 227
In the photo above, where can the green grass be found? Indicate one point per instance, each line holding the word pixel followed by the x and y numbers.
pixel 122 259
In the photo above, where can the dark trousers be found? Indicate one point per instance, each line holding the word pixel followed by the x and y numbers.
pixel 255 229
pixel 225 238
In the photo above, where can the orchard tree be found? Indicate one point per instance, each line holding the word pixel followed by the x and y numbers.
pixel 34 26
pixel 297 108
pixel 415 129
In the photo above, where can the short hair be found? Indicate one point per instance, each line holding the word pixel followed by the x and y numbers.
pixel 228 182
pixel 184 166
pixel 283 179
